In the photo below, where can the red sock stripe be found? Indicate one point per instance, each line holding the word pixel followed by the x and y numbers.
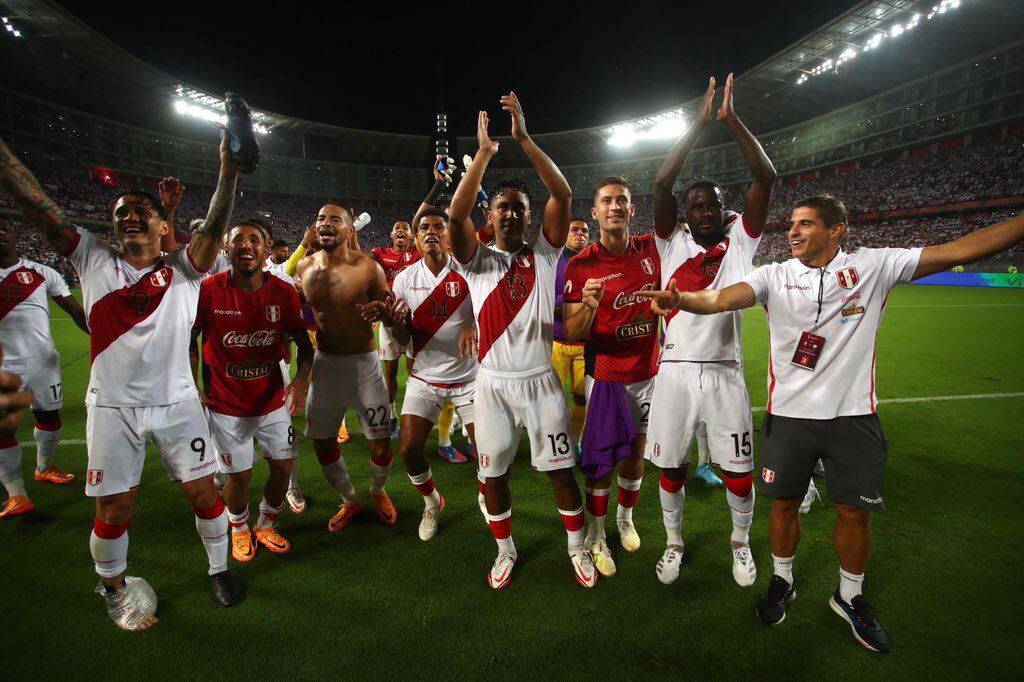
pixel 740 487
pixel 426 487
pixel 671 486
pixel 501 529
pixel 481 486
pixel 628 498
pixel 573 522
pixel 329 458
pixel 597 504
pixel 54 426
pixel 110 531
pixel 215 510
pixel 270 517
pixel 9 443
pixel 382 462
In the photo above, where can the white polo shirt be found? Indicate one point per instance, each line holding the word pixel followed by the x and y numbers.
pixel 854 288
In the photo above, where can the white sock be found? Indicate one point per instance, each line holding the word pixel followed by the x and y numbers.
pixel 742 510
pixel 595 523
pixel 110 556
pixel 573 518
pixel 627 486
pixel 268 515
pixel 239 522
pixel 703 452
pixel 391 410
pixel 293 479
pixel 379 476
pixel 46 447
pixel 783 567
pixel 505 544
pixel 672 514
pixel 850 585
pixel 336 474
pixel 423 482
pixel 10 469
pixel 214 534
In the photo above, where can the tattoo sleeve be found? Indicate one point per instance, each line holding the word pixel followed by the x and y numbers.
pixel 207 237
pixel 39 210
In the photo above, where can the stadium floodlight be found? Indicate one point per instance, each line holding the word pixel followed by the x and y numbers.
pixel 670 128
pixel 195 111
pixel 624 137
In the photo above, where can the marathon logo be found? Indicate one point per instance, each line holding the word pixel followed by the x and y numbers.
pixel 853 310
pixel 634 330
pixel 250 373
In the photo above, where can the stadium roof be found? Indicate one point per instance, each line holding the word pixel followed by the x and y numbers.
pixel 61 59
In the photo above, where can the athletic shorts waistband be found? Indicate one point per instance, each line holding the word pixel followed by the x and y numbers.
pixel 514 376
pixel 438 384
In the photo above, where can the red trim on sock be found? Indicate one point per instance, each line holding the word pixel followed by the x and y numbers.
pixel 628 498
pixel 214 511
pixel 501 529
pixel 426 488
pixel 481 486
pixel 597 505
pixel 383 462
pixel 270 517
pixel 573 522
pixel 110 531
pixel 670 486
pixel 329 458
pixel 740 487
pixel 56 426
pixel 9 443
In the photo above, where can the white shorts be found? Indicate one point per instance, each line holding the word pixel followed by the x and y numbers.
pixel 506 404
pixel 388 347
pixel 42 377
pixel 116 439
pixel 340 382
pixel 689 394
pixel 232 438
pixel 427 400
pixel 639 396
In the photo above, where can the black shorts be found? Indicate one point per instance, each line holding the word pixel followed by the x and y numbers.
pixel 853 449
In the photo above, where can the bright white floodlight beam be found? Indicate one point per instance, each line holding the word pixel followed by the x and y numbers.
pixel 622 138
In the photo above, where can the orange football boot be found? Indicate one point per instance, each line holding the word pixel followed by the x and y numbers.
pixel 343 436
pixel 54 475
pixel 242 547
pixel 272 540
pixel 346 512
pixel 385 510
pixel 16 506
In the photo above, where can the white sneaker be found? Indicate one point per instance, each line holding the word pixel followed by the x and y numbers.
pixel 482 503
pixel 743 569
pixel 428 524
pixel 296 502
pixel 602 557
pixel 583 567
pixel 809 497
pixel 501 571
pixel 669 564
pixel 628 536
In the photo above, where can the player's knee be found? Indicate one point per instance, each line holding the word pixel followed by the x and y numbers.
pixel 115 509
pixel 674 474
pixel 278 467
pixel 241 477
pixel 327 454
pixel 47 420
pixel 848 513
pixel 739 485
pixel 380 452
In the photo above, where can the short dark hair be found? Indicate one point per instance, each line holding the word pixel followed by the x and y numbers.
pixel 503 186
pixel 278 243
pixel 431 212
pixel 332 202
pixel 259 225
pixel 703 183
pixel 144 193
pixel 829 209
pixel 579 220
pixel 613 180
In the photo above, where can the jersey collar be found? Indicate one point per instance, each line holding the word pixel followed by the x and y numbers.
pixel 837 263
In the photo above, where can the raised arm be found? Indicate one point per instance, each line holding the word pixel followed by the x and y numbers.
pixel 666 212
pixel 460 225
pixel 975 246
pixel 558 210
pixel 207 237
pixel 171 190
pixel 433 198
pixel 759 196
pixel 74 309
pixel 704 302
pixel 39 210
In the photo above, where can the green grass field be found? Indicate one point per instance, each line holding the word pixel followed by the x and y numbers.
pixel 375 601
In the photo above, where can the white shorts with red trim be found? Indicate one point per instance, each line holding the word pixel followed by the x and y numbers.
pixel 426 400
pixel 42 377
pixel 506 404
pixel 233 436
pixel 116 439
pixel 688 394
pixel 340 382
pixel 639 396
pixel 388 347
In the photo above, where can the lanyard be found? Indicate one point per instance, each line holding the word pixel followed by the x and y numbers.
pixel 821 294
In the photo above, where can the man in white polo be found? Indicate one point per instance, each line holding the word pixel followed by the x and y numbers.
pixel 824 307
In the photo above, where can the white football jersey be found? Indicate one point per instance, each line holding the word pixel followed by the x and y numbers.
pixel 705 338
pixel 220 264
pixel 277 270
pixel 514 303
pixel 442 310
pixel 854 288
pixel 25 311
pixel 140 323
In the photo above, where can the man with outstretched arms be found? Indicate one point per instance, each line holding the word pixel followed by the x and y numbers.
pixel 140 305
pixel 25 287
pixel 436 317
pixel 401 254
pixel 339 283
pixel 245 316
pixel 824 309
pixel 622 359
pixel 513 289
pixel 700 378
pixel 567 356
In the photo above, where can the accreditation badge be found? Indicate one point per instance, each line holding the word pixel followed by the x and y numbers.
pixel 808 350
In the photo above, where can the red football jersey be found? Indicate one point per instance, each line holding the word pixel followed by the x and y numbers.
pixel 243 339
pixel 624 336
pixel 394 261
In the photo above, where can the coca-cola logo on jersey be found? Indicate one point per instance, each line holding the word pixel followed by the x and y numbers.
pixel 261 338
pixel 624 300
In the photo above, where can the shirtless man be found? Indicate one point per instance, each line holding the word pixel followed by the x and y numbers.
pixel 343 287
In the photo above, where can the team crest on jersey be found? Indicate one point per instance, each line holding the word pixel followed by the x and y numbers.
pixel 847 277
pixel 647 265
pixel 768 475
pixel 226 458
pixel 452 289
pixel 273 313
pixel 408 256
pixel 25 277
pixel 524 260
pixel 158 278
pixel 94 476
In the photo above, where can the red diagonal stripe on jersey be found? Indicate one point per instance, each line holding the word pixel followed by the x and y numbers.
pixel 14 289
pixel 507 299
pixel 699 272
pixel 435 310
pixel 119 311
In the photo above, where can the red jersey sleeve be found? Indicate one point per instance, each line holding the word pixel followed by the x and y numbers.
pixel 575 278
pixel 204 303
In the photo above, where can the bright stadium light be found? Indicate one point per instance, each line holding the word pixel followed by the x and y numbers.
pixel 208 108
pixel 622 138
pixel 667 129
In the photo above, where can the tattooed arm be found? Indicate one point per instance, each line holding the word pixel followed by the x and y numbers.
pixel 39 210
pixel 207 238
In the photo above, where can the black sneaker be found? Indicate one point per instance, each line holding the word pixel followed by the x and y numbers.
pixel 865 627
pixel 242 138
pixel 227 589
pixel 771 608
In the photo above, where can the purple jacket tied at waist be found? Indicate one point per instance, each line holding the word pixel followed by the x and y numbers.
pixel 609 434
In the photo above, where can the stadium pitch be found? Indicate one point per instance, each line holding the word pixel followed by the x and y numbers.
pixel 375 601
